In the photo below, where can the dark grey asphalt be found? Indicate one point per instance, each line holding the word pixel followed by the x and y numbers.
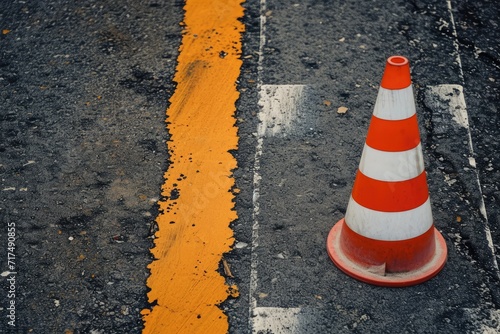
pixel 84 88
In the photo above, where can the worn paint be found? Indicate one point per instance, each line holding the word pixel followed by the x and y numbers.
pixel 281 108
pixel 277 320
pixel 198 205
pixel 448 99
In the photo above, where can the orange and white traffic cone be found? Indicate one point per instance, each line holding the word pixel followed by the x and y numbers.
pixel 388 237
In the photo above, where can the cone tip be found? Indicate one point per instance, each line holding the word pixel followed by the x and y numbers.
pixel 397 73
pixel 397 61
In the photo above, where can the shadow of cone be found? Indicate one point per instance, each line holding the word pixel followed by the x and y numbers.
pixel 388 237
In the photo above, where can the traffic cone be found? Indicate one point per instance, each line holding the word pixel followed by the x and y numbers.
pixel 388 237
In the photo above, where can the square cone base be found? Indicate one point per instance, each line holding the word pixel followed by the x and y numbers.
pixel 375 276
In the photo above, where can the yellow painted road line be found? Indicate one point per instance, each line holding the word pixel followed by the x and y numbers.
pixel 194 231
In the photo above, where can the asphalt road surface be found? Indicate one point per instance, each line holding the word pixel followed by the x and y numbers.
pixel 83 152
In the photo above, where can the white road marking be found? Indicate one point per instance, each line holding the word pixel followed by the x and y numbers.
pixel 463 117
pixel 278 110
pixel 455 40
pixel 280 107
pixel 454 96
pixel 276 320
pixel 256 180
pixel 457 106
pixel 488 320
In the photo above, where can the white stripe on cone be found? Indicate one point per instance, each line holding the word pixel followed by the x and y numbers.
pixel 391 166
pixel 394 104
pixel 389 226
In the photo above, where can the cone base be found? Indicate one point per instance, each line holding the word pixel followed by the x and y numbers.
pixel 370 275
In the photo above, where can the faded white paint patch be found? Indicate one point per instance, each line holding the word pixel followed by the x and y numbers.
pixel 487 321
pixel 451 100
pixel 280 108
pixel 454 94
pixel 276 320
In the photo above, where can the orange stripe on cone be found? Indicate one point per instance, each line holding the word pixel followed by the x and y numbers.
pixel 390 196
pixel 388 237
pixel 393 136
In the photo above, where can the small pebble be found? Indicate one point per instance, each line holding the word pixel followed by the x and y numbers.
pixel 240 245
